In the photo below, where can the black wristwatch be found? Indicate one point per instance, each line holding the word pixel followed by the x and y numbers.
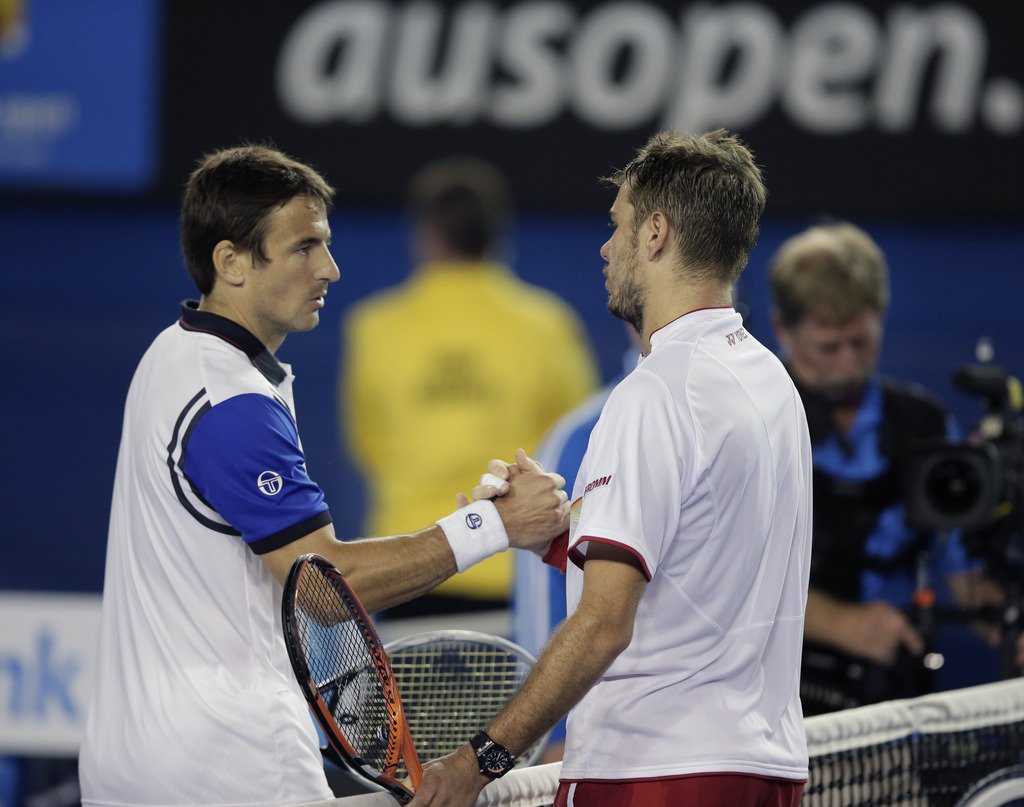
pixel 495 760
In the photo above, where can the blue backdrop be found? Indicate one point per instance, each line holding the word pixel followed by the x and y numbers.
pixel 90 285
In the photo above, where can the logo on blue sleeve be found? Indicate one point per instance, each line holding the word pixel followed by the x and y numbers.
pixel 270 483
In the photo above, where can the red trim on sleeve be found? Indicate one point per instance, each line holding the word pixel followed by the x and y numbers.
pixel 579 558
pixel 557 555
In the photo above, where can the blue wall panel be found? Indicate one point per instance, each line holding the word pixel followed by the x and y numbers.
pixel 79 95
pixel 90 286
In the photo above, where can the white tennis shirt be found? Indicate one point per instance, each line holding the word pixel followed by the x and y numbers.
pixel 195 702
pixel 700 464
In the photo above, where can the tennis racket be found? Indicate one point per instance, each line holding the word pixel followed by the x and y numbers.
pixel 454 683
pixel 343 671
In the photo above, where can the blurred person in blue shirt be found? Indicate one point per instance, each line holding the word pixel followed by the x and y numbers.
pixel 874 579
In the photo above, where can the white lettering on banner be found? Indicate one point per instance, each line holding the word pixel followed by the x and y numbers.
pixel 47 662
pixel 353 32
pixel 838 69
pixel 599 96
pixel 537 94
pixel 750 36
pixel 24 116
pixel 835 51
pixel 421 95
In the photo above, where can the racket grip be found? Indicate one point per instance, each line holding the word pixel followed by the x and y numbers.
pixel 412 759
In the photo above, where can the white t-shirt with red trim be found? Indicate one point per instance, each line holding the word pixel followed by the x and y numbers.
pixel 700 465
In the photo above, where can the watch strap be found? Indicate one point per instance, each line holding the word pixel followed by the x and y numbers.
pixel 495 759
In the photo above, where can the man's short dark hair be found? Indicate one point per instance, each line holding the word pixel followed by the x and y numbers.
pixel 230 197
pixel 466 201
pixel 710 189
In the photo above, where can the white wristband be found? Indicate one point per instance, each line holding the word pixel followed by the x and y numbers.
pixel 474 532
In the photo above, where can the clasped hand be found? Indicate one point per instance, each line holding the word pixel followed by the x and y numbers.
pixel 532 503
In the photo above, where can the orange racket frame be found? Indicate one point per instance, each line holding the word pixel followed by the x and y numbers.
pixel 340 750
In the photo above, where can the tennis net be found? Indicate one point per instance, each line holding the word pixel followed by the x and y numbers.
pixel 931 751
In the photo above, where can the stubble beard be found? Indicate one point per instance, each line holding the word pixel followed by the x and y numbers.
pixel 629 307
pixel 628 303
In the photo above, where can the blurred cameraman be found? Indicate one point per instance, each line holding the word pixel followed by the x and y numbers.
pixel 872 577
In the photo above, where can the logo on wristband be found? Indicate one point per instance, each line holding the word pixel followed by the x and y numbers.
pixel 474 521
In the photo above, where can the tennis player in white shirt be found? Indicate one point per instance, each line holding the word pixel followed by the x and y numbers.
pixel 689 551
pixel 195 702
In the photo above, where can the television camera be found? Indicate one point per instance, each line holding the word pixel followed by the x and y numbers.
pixel 976 487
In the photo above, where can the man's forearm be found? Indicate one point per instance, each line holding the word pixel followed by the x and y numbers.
pixel 873 630
pixel 571 664
pixel 387 571
pixel 579 653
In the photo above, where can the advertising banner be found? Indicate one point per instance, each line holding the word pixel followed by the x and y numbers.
pixel 851 107
pixel 78 94
pixel 47 664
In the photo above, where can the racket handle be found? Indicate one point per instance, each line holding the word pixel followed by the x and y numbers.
pixel 412 759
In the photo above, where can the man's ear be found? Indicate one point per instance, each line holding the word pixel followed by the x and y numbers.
pixel 659 236
pixel 230 263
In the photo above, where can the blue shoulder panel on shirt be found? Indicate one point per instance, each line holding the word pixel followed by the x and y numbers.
pixel 245 459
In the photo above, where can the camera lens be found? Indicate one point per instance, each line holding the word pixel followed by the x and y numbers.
pixel 953 487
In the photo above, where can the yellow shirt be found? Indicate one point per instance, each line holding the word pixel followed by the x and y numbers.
pixel 461 364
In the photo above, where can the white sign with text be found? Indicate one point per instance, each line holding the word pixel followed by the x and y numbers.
pixel 48 646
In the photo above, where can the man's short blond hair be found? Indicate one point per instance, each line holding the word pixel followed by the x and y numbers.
pixel 832 272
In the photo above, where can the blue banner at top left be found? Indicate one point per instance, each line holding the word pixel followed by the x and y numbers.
pixel 79 94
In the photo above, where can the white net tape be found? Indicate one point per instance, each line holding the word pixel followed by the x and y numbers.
pixel 522 787
pixel 986 705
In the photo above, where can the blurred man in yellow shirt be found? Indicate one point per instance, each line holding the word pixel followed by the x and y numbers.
pixel 462 360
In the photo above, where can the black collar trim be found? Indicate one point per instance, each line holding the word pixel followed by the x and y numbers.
pixel 192 319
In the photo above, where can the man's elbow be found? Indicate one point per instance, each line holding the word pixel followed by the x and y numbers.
pixel 608 638
pixel 618 641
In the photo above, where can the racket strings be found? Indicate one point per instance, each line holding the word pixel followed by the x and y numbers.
pixel 452 689
pixel 344 670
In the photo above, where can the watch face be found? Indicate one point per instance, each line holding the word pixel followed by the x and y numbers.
pixel 496 761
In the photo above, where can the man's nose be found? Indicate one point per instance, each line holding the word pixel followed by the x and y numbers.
pixel 848 361
pixel 330 269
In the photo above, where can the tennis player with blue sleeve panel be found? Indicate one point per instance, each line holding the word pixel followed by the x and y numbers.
pixel 195 701
pixel 688 554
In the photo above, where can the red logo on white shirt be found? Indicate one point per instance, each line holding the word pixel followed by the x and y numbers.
pixel 599 482
pixel 736 336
